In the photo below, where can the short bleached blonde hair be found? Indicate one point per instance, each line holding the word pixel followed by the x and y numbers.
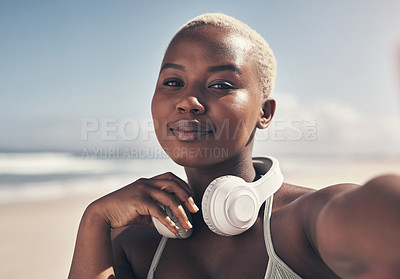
pixel 263 55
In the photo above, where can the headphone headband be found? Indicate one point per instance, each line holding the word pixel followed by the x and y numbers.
pixel 271 177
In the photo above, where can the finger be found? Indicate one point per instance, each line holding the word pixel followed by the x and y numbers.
pixel 173 188
pixel 157 212
pixel 173 205
pixel 189 203
pixel 171 176
pixel 191 206
pixel 177 209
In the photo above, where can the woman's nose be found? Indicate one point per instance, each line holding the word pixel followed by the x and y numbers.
pixel 190 104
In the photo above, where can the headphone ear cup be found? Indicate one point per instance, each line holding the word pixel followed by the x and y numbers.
pixel 206 205
pixel 163 230
pixel 229 206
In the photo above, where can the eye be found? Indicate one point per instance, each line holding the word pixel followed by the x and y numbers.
pixel 173 83
pixel 222 85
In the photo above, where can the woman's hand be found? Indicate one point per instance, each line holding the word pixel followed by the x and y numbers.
pixel 138 201
pixel 133 204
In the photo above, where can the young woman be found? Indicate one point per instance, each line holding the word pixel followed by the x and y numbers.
pixel 212 93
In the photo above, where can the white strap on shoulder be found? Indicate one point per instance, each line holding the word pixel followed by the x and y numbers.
pixel 157 257
pixel 276 267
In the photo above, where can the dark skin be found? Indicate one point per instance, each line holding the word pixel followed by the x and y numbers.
pixel 208 95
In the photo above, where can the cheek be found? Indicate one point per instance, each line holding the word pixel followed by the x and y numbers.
pixel 158 108
pixel 153 105
pixel 157 115
pixel 236 119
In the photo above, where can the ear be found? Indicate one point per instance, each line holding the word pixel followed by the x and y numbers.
pixel 268 111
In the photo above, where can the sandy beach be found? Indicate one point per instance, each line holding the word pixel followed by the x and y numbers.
pixel 37 237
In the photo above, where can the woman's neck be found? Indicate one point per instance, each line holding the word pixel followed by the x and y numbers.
pixel 200 178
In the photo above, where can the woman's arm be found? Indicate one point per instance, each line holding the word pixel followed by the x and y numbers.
pixel 357 233
pixel 133 204
pixel 93 254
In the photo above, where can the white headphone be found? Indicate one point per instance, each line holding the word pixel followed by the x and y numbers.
pixel 230 205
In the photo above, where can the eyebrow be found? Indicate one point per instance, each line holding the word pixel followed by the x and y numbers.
pixel 219 68
pixel 173 66
pixel 228 67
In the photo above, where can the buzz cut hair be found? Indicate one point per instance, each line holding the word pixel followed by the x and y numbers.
pixel 263 55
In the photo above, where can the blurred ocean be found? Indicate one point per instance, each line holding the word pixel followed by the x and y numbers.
pixel 37 176
pixel 45 175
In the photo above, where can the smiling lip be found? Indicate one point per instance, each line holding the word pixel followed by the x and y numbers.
pixel 190 130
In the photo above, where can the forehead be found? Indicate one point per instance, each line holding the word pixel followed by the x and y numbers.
pixel 213 43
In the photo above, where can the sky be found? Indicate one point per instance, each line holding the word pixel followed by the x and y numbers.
pixel 78 74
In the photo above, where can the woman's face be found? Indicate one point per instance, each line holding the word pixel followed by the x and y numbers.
pixel 208 100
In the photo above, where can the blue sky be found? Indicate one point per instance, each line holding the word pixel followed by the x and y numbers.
pixel 64 61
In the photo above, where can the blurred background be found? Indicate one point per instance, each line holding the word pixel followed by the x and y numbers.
pixel 77 78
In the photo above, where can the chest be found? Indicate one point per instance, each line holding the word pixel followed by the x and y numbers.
pixel 207 255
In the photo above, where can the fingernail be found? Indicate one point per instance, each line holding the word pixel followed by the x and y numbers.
pixel 173 224
pixel 191 201
pixel 190 225
pixel 176 228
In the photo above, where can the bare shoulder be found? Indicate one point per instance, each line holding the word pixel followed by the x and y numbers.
pixel 318 198
pixel 289 193
pixel 307 207
pixel 133 250
pixel 296 207
pixel 304 199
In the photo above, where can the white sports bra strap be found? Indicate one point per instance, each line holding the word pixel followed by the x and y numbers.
pixel 157 257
